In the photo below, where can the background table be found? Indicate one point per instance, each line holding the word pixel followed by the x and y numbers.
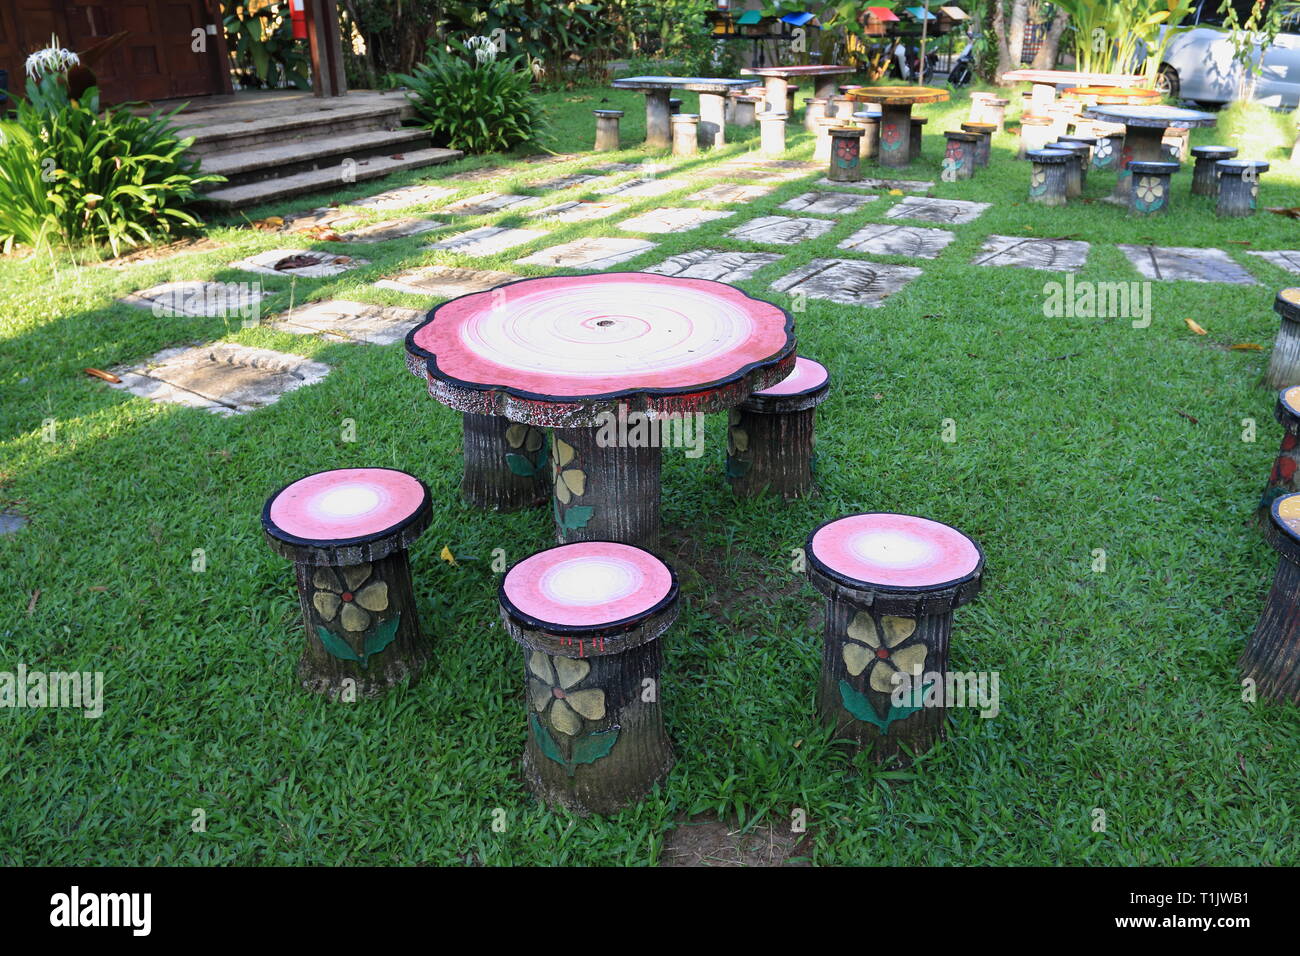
pixel 595 358
pixel 1113 95
pixel 896 104
pixel 777 79
pixel 713 104
pixel 1144 129
pixel 1045 82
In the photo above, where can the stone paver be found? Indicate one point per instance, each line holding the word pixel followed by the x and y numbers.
pixel 485 204
pixel 446 282
pixel 300 263
pixel 487 240
pixel 223 378
pixel 615 168
pixel 644 188
pixel 781 230
pixel 589 254
pixel 558 183
pixel 391 229
pixel 482 174
pixel 730 192
pixel 847 281
pixel 11 522
pixel 1284 259
pixel 827 204
pixel 714 264
pixel 672 220
pixel 577 210
pixel 885 239
pixel 902 185
pixel 948 211
pixel 205 300
pixel 404 196
pixel 339 320
pixel 1060 255
pixel 1172 263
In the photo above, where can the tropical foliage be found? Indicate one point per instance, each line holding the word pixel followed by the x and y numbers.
pixel 262 47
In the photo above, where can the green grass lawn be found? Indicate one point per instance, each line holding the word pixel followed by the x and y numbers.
pixel 1119 689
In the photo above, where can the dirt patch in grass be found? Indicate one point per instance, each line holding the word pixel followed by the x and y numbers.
pixel 710 842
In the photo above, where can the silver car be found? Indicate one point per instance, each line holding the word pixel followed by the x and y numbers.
pixel 1198 64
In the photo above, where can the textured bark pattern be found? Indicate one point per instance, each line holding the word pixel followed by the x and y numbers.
pixel 914 143
pixel 846 158
pixel 1283 480
pixel 920 730
pixel 1237 196
pixel 641 756
pixel 405 658
pixel 1284 362
pixel 959 156
pixel 1272 656
pixel 488 481
pixel 1052 191
pixel 607 136
pixel 620 486
pixel 1205 177
pixel 778 455
pixel 895 136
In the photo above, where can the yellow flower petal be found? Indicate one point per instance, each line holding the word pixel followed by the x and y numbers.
pixel 562 492
pixel 863 629
pixel 733 416
pixel 355 575
pixel 326 604
pixel 740 438
pixel 576 480
pixel 374 596
pixel 534 440
pixel 589 703
pixel 564 719
pixel 539 693
pixel 856 657
pixel 353 618
pixel 563 452
pixel 882 678
pixel 897 629
pixel 540 665
pixel 325 580
pixel 570 671
pixel 910 659
pixel 516 434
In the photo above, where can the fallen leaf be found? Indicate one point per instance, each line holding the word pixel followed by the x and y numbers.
pixel 1191 324
pixel 398 156
pixel 98 587
pixel 1291 211
pixel 895 192
pixel 1186 416
pixel 269 224
pixel 106 376
pixel 1246 347
pixel 447 556
pixel 289 263
pixel 36 596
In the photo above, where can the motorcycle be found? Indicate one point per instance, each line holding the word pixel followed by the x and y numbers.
pixel 961 73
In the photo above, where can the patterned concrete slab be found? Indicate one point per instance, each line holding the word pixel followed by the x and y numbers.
pixel 558 183
pixel 578 210
pixel 323 216
pixel 948 211
pixel 200 300
pixel 781 230
pixel 11 522
pixel 300 263
pixel 847 281
pixel 644 188
pixel 589 254
pixel 672 220
pixel 486 204
pixel 614 168
pixel 1286 259
pixel 1060 255
pixel 730 192
pixel 1181 263
pixel 487 241
pixel 884 239
pixel 404 196
pixel 339 320
pixel 223 378
pixel 714 264
pixel 827 204
pixel 902 185
pixel 446 282
pixel 482 174
pixel 391 229
pixel 775 170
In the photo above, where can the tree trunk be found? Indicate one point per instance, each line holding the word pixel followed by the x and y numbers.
pixel 1045 59
pixel 1004 51
pixel 1016 31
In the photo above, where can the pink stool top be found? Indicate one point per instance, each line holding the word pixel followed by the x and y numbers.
pixel 587 585
pixel 894 551
pixel 808 376
pixel 344 506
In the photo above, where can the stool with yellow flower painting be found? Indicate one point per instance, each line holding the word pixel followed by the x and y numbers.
pixel 347 532
pixel 770 436
pixel 1149 186
pixel 1282 480
pixel 892 582
pixel 1284 361
pixel 589 616
pixel 1271 660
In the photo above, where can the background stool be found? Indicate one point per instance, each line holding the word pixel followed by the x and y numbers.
pixel 1284 361
pixel 984 146
pixel 770 436
pixel 959 155
pixel 686 134
pixel 1205 175
pixel 771 133
pixel 1238 186
pixel 1282 478
pixel 1272 655
pixel 1047 181
pixel 1149 187
pixel 846 154
pixel 607 138
pixel 914 145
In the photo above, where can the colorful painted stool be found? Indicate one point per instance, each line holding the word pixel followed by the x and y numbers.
pixel 870 124
pixel 1076 175
pixel 1149 186
pixel 589 617
pixel 1089 141
pixel 1047 183
pixel 1284 362
pixel 607 137
pixel 1205 174
pixel 771 132
pixel 770 437
pixel 846 154
pixel 1272 655
pixel 1035 134
pixel 914 144
pixel 347 532
pixel 1282 479
pixel 891 583
pixel 1239 186
pixel 960 154
pixel 686 134
pixel 983 148
pixel 1174 144
pixel 1109 151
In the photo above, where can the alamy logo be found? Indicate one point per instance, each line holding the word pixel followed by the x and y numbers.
pixel 1098 300
pixel 41 689
pixel 75 909
pixel 649 430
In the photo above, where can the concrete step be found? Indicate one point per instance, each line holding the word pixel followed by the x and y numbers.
pixel 210 139
pixel 321 180
pixel 286 159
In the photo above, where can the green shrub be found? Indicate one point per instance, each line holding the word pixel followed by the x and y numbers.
pixel 479 105
pixel 71 175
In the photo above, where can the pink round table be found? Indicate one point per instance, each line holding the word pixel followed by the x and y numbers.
pixel 617 365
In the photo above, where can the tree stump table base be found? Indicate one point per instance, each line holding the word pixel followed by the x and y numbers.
pixel 589 617
pixel 1047 183
pixel 1271 658
pixel 771 435
pixel 1238 186
pixel 1284 361
pixel 347 532
pixel 1150 189
pixel 896 128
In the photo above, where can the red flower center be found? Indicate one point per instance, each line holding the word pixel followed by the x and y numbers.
pixel 347 596
pixel 557 693
pixel 882 652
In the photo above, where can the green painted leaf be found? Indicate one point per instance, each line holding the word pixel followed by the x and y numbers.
pixel 545 742
pixel 520 465
pixel 592 747
pixel 336 645
pixel 860 707
pixel 736 468
pixel 381 637
pixel 578 516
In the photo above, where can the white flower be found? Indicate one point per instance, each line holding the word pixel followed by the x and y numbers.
pixel 484 48
pixel 53 59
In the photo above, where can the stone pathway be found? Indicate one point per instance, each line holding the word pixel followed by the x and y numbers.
pixel 299 263
pixel 392 229
pixel 781 230
pixel 339 320
pixel 559 183
pixel 579 210
pixel 714 264
pixel 950 212
pixel 886 240
pixel 847 281
pixel 672 220
pixel 1286 259
pixel 589 254
pixel 730 193
pixel 902 185
pixel 486 204
pixel 405 196
pixel 1180 263
pixel 487 240
pixel 222 377
pixel 446 282
pixel 827 204
pixel 482 174
pixel 200 300
pixel 1060 255
pixel 644 188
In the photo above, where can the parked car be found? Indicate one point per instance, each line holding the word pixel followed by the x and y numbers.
pixel 1198 64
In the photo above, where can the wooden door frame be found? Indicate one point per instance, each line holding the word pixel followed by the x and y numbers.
pixel 327 74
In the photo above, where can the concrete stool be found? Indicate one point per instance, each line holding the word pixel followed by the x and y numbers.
pixel 771 127
pixel 870 124
pixel 988 108
pixel 914 145
pixel 1282 479
pixel 1109 151
pixel 1205 177
pixel 589 617
pixel 1061 117
pixel 1075 178
pixel 1089 141
pixel 814 112
pixel 1284 362
pixel 1239 186
pixel 607 138
pixel 892 582
pixel 1272 655
pixel 744 110
pixel 983 148
pixel 841 107
pixel 674 106
pixel 846 154
pixel 713 120
pixel 1035 133
pixel 347 532
pixel 1175 143
pixel 686 134
pixel 770 436
pixel 960 155
pixel 790 90
pixel 1149 182
pixel 822 144
pixel 1047 183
